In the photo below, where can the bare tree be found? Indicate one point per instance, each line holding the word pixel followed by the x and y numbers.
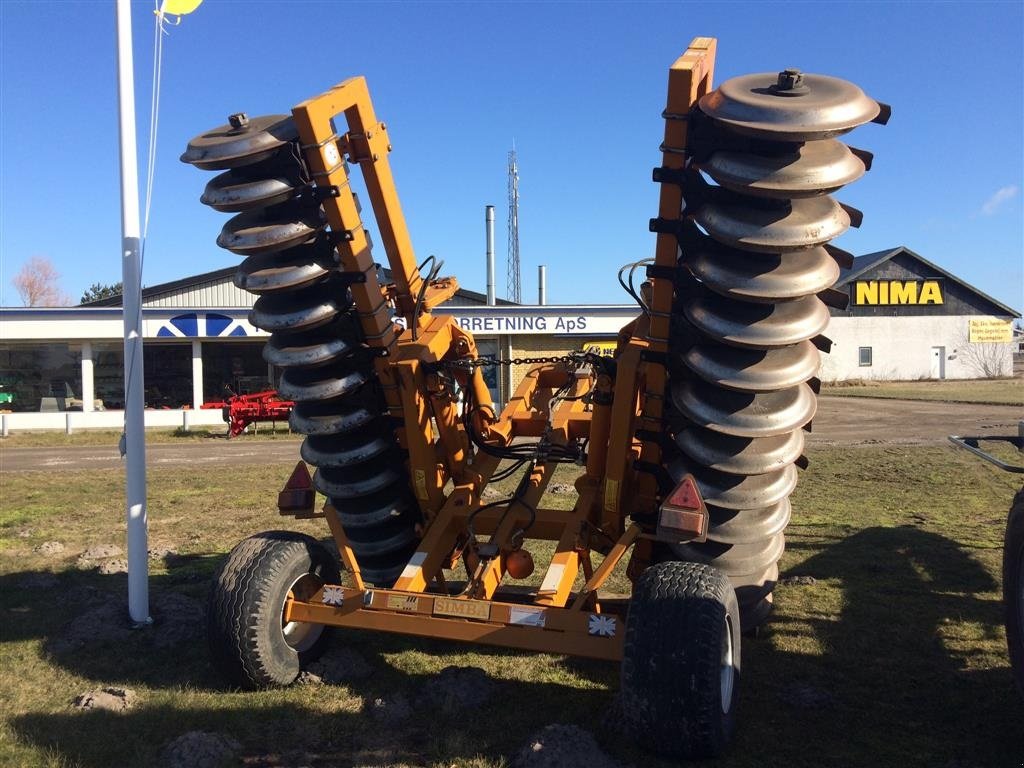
pixel 988 360
pixel 38 284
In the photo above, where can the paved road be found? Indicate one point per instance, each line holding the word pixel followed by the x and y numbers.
pixel 840 421
pixel 205 452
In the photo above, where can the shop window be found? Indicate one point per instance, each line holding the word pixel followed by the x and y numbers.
pixel 108 375
pixel 864 356
pixel 236 367
pixel 41 377
pixel 168 375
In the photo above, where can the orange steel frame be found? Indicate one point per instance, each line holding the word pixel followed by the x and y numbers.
pixel 551 618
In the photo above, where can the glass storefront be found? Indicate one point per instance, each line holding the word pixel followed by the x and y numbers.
pixel 234 367
pixel 42 377
pixel 168 374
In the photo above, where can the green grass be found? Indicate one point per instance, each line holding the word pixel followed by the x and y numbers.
pixel 986 391
pixel 900 637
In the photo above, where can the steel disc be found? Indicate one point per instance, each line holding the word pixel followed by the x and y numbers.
pixel 740 526
pixel 232 192
pixel 343 450
pixel 229 147
pixel 764 278
pixel 741 455
pixel 299 310
pixel 744 414
pixel 820 108
pixel 809 170
pixel 743 492
pixel 251 233
pixel 324 418
pixel 802 223
pixel 278 271
pixel 744 324
pixel 754 370
pixel 325 383
pixel 305 349
pixel 749 557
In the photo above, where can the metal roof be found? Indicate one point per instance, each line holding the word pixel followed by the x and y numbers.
pixel 867 262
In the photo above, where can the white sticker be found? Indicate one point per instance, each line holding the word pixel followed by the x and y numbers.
pixel 529 617
pixel 334 595
pixel 415 564
pixel 553 579
pixel 331 155
pixel 602 626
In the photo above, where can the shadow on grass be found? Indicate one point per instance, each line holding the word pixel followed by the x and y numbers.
pixel 890 679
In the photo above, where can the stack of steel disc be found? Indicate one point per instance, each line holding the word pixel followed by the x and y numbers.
pixel 304 302
pixel 755 263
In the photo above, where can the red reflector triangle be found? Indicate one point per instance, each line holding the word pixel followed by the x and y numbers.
pixel 300 479
pixel 685 495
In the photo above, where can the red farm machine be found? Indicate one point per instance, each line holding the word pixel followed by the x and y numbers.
pixel 688 439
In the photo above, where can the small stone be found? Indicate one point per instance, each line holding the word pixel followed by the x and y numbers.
pixel 561 489
pixel 25 534
pixel 111 567
pixel 798 581
pixel 101 552
pixel 456 688
pixel 393 709
pixel 50 548
pixel 109 699
pixel 562 746
pixel 199 749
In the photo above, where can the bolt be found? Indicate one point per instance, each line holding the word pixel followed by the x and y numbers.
pixel 239 120
pixel 376 158
pixel 790 79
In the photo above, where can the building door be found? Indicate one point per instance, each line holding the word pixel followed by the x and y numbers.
pixel 938 363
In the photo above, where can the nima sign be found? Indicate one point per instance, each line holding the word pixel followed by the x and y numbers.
pixel 888 292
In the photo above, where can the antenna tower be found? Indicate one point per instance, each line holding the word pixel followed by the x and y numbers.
pixel 514 287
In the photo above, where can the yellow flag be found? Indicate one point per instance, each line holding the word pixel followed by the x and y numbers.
pixel 178 7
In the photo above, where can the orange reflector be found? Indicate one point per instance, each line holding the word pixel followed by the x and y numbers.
pixel 298 495
pixel 683 516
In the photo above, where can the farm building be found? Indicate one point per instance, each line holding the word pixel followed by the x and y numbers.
pixel 907 319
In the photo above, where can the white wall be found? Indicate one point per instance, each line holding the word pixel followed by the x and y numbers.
pixel 902 348
pixel 29 421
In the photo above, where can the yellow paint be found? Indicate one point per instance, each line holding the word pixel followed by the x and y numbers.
pixel 179 7
pixel 891 292
pixel 464 609
pixel 604 348
pixel 611 495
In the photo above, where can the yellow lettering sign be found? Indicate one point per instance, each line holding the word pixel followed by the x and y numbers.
pixel 990 330
pixel 930 293
pixel 464 609
pixel 867 293
pixel 890 292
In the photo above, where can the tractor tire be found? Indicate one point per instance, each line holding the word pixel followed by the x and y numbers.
pixel 1013 587
pixel 249 643
pixel 681 662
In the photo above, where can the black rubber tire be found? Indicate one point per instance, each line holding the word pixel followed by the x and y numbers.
pixel 246 638
pixel 680 616
pixel 1013 587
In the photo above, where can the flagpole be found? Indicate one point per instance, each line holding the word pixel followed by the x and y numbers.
pixel 134 417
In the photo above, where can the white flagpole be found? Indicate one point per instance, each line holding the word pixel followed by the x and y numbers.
pixel 134 417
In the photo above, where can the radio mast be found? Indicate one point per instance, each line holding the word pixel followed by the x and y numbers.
pixel 514 287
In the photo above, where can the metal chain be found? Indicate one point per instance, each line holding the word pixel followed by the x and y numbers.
pixel 574 359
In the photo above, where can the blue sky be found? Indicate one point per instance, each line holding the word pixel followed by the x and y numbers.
pixel 579 87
